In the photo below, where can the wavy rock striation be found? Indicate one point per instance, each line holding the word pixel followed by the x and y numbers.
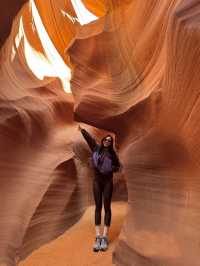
pixel 126 67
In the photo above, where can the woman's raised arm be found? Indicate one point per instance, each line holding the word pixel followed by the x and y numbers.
pixel 89 139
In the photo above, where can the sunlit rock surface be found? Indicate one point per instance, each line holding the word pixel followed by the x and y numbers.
pixel 126 67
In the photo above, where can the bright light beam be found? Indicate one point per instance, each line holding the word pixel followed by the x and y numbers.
pixel 83 14
pixel 49 65
pixel 60 69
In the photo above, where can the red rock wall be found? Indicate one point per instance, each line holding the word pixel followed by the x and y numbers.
pixel 133 72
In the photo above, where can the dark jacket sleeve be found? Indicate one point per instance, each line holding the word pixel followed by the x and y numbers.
pixel 116 163
pixel 89 139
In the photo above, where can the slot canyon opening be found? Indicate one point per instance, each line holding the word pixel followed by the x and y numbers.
pixel 130 68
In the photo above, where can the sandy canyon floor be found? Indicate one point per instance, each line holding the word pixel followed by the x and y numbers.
pixel 74 248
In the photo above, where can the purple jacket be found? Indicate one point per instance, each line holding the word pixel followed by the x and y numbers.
pixel 104 162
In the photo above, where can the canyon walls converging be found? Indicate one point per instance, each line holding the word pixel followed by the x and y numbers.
pixel 130 68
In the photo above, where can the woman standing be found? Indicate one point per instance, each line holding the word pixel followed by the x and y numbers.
pixel 105 162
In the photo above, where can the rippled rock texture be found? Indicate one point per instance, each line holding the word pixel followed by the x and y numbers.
pixel 126 67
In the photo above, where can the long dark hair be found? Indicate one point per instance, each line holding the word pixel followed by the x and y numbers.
pixel 110 147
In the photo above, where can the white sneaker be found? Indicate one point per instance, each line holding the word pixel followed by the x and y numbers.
pixel 97 244
pixel 104 243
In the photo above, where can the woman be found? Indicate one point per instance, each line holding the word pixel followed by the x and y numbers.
pixel 105 162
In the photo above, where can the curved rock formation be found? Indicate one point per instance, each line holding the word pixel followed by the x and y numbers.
pixel 126 67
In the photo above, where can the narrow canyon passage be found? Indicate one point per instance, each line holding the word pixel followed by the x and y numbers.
pixel 128 68
pixel 75 246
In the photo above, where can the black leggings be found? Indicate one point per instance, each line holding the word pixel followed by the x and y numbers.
pixel 103 187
